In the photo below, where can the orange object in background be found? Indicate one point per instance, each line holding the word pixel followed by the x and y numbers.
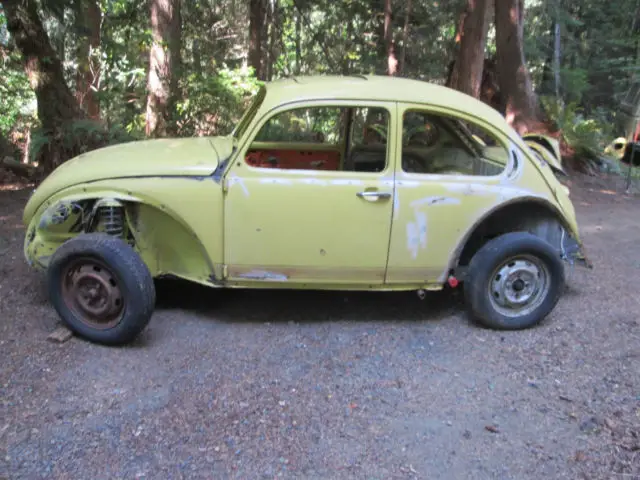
pixel 294 159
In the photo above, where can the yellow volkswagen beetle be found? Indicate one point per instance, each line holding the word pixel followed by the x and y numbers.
pixel 340 183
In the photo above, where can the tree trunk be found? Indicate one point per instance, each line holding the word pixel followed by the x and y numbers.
pixel 392 62
pixel 346 63
pixel 273 23
pixel 164 65
pixel 556 58
pixel 466 75
pixel 405 38
pixel 298 43
pixel 520 103
pixel 89 18
pixel 256 21
pixel 56 104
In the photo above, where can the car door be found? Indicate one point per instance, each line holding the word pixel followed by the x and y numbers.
pixel 309 197
pixel 451 169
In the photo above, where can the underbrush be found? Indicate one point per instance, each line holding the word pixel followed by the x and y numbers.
pixel 50 148
pixel 583 138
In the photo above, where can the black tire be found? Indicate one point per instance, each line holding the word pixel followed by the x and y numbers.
pixel 482 300
pixel 119 270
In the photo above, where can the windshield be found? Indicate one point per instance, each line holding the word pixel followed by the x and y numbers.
pixel 249 114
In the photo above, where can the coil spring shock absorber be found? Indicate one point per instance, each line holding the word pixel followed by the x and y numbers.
pixel 111 220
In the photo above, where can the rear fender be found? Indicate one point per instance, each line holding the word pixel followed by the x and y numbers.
pixel 548 148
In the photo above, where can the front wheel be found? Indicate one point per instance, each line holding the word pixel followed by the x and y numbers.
pixel 514 281
pixel 101 288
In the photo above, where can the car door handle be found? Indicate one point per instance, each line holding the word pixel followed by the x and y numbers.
pixel 372 194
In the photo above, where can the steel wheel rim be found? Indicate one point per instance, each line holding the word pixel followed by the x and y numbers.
pixel 519 285
pixel 92 292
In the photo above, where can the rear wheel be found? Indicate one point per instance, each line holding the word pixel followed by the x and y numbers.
pixel 514 281
pixel 101 288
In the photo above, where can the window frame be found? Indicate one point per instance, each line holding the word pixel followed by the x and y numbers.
pixel 514 162
pixel 390 107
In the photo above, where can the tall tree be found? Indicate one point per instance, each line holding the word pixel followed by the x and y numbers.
pixel 164 65
pixel 56 103
pixel 257 10
pixel 466 75
pixel 392 61
pixel 405 37
pixel 520 102
pixel 88 23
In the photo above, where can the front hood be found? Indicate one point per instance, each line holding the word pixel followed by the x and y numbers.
pixel 168 156
pixel 191 157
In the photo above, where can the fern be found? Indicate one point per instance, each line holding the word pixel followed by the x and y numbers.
pixel 585 137
pixel 50 148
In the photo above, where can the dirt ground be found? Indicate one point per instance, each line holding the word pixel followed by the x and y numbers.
pixel 331 385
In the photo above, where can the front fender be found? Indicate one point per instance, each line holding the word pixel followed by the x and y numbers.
pixel 162 224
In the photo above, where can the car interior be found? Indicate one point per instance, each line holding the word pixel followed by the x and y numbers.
pixel 355 139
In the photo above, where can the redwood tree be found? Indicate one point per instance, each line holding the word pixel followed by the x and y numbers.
pixel 392 62
pixel 88 20
pixel 405 38
pixel 519 100
pixel 56 103
pixel 466 75
pixel 164 64
pixel 257 10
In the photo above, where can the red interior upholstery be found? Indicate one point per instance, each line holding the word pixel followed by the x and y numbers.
pixel 294 159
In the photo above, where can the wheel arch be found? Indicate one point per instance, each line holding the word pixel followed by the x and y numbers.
pixel 532 214
pixel 164 240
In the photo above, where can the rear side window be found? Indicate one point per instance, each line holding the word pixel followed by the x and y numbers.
pixel 445 145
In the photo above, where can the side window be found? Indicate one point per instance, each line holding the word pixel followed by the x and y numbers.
pixel 440 144
pixel 323 138
pixel 367 150
pixel 304 125
pixel 369 127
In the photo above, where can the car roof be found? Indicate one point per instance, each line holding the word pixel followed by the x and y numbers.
pixel 376 87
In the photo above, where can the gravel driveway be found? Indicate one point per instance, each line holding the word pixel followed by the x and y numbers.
pixel 330 385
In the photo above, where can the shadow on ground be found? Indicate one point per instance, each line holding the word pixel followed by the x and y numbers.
pixel 311 306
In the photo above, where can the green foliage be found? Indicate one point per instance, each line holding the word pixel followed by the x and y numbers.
pixel 598 55
pixel 16 97
pixel 586 136
pixel 213 105
pixel 598 49
pixel 51 148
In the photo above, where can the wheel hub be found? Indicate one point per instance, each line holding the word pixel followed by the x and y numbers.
pixel 93 293
pixel 519 285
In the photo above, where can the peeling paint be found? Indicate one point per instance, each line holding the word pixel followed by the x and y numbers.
pixel 417 234
pixel 409 183
pixel 479 190
pixel 435 201
pixel 264 275
pixel 396 205
pixel 346 181
pixel 314 181
pixel 277 181
pixel 235 179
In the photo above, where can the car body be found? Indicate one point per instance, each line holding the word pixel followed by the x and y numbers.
pixel 354 183
pixel 627 152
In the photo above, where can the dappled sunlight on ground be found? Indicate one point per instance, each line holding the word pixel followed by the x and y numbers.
pixel 316 379
pixel 12 187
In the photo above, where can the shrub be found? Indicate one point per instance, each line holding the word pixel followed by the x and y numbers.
pixel 52 148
